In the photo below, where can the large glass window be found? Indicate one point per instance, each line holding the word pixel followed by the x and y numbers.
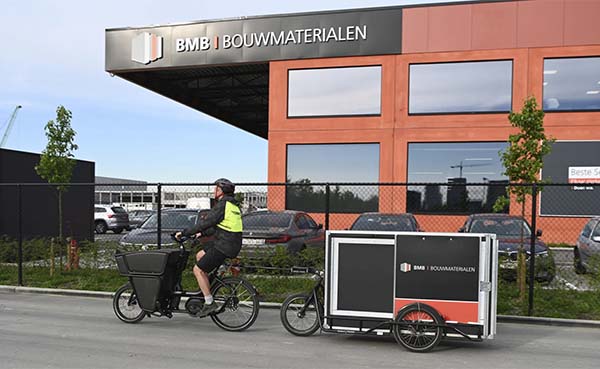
pixel 335 163
pixel 572 84
pixel 445 169
pixel 466 87
pixel 334 91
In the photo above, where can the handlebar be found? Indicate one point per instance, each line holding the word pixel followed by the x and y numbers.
pixel 180 240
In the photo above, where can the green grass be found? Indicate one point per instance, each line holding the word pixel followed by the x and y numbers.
pixel 270 288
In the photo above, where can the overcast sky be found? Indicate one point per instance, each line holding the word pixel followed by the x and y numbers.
pixel 53 53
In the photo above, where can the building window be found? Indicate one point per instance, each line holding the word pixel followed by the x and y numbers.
pixel 572 84
pixel 334 91
pixel 332 163
pixel 465 87
pixel 445 169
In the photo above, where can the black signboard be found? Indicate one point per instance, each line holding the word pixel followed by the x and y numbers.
pixel 572 162
pixel 437 267
pixel 333 34
pixel 366 277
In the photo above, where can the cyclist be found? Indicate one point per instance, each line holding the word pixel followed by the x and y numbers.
pixel 224 220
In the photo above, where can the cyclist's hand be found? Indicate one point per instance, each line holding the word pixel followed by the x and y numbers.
pixel 198 235
pixel 178 236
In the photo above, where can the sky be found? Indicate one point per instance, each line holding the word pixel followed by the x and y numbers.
pixel 53 54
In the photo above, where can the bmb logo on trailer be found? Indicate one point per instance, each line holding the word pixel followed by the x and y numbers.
pixel 417 286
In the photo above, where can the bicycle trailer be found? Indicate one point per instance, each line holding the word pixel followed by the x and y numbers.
pixel 420 287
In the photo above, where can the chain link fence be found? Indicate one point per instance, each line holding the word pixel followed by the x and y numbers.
pixel 285 225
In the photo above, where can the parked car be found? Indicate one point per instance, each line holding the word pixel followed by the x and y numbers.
pixel 508 232
pixel 110 217
pixel 588 247
pixel 404 222
pixel 295 230
pixel 172 220
pixel 137 217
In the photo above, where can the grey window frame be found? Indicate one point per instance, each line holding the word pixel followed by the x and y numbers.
pixel 570 110
pixel 287 91
pixel 512 76
pixel 441 184
pixel 331 211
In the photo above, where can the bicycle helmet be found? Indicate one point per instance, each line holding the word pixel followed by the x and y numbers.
pixel 226 185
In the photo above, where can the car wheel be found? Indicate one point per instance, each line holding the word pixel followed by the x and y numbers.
pixel 118 230
pixel 100 227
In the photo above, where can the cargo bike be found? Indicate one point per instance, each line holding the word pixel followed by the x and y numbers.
pixel 154 289
pixel 419 287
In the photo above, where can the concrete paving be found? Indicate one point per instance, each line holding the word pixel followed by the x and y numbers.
pixel 50 331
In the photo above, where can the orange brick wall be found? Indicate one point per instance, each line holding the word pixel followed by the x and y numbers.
pixel 511 30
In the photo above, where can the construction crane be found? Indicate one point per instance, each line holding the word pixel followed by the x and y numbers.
pixel 461 166
pixel 11 121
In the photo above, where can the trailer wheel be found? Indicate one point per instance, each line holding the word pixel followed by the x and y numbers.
pixel 417 327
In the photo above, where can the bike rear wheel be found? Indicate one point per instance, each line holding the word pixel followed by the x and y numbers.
pixel 418 327
pixel 126 305
pixel 237 304
pixel 299 315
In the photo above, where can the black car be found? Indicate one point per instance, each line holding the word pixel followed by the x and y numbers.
pixel 138 217
pixel 508 230
pixel 295 230
pixel 172 220
pixel 403 222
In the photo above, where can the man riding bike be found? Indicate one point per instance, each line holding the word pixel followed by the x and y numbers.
pixel 224 220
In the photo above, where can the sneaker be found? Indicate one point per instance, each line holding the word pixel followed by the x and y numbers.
pixel 207 309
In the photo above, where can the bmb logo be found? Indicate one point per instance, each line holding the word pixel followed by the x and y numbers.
pixel 405 267
pixel 146 47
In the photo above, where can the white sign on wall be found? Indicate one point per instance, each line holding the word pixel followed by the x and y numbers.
pixel 584 174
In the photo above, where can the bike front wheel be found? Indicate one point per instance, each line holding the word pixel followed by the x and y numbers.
pixel 126 305
pixel 237 304
pixel 299 315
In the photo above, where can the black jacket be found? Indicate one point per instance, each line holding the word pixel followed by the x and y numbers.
pixel 229 243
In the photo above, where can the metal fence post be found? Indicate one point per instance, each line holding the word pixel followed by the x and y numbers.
pixel 158 214
pixel 532 247
pixel 327 193
pixel 20 237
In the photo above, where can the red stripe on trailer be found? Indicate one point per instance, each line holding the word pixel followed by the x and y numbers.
pixel 459 311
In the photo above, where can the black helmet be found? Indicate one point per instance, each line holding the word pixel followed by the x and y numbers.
pixel 226 185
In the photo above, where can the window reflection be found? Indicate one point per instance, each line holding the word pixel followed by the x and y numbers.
pixel 334 91
pixel 572 84
pixel 466 87
pixel 449 167
pixel 332 163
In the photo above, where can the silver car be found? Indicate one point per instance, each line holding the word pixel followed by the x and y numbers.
pixel 588 247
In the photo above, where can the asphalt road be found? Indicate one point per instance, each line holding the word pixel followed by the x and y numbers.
pixel 46 331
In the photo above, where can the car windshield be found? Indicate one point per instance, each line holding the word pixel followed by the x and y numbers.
pixel 118 209
pixel 267 220
pixel 171 220
pixel 500 226
pixel 383 223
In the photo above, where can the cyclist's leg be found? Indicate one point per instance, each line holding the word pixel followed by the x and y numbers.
pixel 211 259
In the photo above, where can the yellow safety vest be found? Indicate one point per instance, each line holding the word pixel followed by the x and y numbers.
pixel 232 221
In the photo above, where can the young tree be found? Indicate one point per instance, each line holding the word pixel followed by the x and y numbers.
pixel 56 163
pixel 522 163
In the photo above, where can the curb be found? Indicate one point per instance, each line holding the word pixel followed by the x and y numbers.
pixel 549 321
pixel 276 305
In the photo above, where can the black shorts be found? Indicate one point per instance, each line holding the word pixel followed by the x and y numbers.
pixel 212 259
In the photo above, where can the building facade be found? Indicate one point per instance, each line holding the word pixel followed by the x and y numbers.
pixel 416 94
